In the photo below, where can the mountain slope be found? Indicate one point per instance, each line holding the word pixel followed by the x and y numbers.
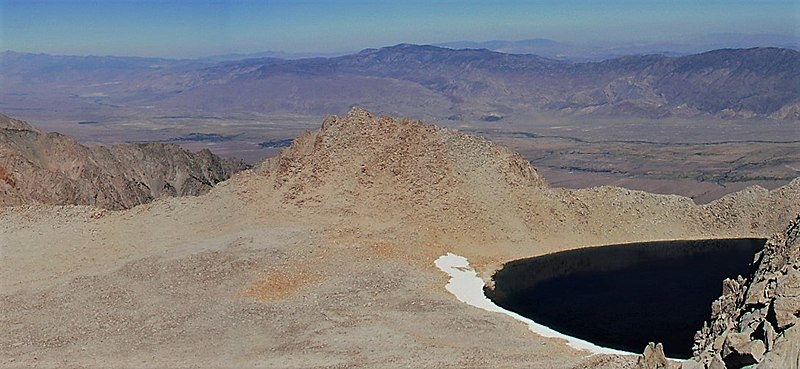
pixel 416 175
pixel 325 256
pixel 37 167
pixel 728 83
pixel 760 81
pixel 422 81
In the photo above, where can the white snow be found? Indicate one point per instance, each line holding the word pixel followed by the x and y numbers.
pixel 467 287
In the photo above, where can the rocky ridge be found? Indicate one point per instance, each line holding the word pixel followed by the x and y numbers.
pixel 482 84
pixel 425 81
pixel 755 321
pixel 421 176
pixel 50 168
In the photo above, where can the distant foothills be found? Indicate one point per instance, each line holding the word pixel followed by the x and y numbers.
pixel 425 81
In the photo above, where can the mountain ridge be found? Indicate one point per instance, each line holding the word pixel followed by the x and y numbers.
pixel 743 83
pixel 431 81
pixel 599 50
pixel 50 168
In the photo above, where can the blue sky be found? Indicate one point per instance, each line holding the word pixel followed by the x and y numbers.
pixel 200 28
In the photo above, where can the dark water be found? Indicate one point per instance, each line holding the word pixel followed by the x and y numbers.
pixel 624 296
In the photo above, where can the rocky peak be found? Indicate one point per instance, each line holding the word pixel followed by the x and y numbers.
pixel 398 168
pixel 372 148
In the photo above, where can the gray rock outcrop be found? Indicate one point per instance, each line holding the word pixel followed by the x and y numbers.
pixel 754 323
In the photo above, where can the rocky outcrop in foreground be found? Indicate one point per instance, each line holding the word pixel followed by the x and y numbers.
pixel 51 168
pixel 754 324
pixel 755 321
pixel 653 358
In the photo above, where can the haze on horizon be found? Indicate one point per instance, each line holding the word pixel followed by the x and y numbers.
pixel 203 28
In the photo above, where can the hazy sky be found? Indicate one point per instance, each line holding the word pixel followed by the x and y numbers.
pixel 199 28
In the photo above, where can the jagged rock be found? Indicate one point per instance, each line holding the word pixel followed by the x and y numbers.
pixel 653 357
pixel 754 322
pixel 786 311
pixel 739 350
pixel 730 286
pixel 786 353
pixel 50 168
pixel 787 303
pixel 757 294
pixel 716 363
pixel 790 284
pixel 769 335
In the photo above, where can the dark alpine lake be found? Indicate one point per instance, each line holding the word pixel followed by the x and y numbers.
pixel 624 296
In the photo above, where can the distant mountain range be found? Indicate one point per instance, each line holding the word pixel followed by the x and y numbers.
pixel 418 81
pixel 603 50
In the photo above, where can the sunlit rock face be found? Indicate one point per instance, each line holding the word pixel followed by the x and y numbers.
pixel 755 321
